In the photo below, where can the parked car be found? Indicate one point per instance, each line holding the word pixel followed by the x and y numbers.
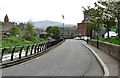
pixel 86 38
pixel 111 34
pixel 77 38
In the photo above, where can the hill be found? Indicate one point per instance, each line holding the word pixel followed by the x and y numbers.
pixel 44 24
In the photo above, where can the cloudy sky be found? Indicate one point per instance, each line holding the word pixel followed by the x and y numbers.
pixel 37 10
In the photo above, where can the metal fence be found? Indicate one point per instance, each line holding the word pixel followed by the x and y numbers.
pixel 10 53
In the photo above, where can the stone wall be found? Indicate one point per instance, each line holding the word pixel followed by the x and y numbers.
pixel 111 49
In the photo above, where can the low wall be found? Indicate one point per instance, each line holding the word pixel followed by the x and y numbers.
pixel 111 49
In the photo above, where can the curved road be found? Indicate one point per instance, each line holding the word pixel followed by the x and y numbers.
pixel 71 58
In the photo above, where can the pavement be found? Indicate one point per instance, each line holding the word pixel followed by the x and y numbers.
pixel 110 62
pixel 71 58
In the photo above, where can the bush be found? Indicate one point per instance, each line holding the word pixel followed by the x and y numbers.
pixel 114 40
pixel 33 39
pixel 14 41
pixel 20 41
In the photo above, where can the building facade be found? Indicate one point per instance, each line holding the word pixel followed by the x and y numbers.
pixel 6 25
pixel 68 32
pixel 83 29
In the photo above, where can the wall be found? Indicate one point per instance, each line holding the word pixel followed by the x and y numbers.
pixel 111 49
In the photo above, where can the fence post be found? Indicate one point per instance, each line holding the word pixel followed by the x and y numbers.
pixel 2 54
pixel 45 46
pixel 35 48
pixel 21 52
pixel 38 48
pixel 27 51
pixel 31 49
pixel 12 54
pixel 41 46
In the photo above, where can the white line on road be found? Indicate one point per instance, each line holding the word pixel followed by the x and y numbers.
pixel 106 71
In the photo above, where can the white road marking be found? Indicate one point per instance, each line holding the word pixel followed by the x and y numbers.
pixel 106 71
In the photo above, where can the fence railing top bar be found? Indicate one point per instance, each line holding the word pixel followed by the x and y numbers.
pixel 20 46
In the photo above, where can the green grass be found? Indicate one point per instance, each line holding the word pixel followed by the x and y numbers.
pixel 113 40
pixel 20 41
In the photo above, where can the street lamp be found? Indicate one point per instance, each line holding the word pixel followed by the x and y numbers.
pixel 118 18
pixel 97 34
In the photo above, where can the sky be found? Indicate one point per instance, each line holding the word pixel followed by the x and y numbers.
pixel 38 10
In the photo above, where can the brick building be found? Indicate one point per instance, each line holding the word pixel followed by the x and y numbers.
pixel 83 29
pixel 6 25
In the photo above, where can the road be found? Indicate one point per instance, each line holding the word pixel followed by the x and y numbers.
pixel 71 58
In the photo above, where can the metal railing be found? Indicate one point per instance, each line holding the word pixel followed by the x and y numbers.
pixel 10 53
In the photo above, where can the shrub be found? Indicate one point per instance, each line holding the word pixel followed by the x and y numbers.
pixel 32 38
pixel 114 40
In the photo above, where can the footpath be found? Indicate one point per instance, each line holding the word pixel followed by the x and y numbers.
pixel 110 62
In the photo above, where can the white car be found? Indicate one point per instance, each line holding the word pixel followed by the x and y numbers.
pixel 86 38
pixel 77 38
pixel 111 34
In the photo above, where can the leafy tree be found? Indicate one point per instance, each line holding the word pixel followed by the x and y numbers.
pixel 15 31
pixel 54 31
pixel 103 14
pixel 30 29
pixel 113 8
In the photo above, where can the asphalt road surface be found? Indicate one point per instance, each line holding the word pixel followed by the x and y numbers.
pixel 71 58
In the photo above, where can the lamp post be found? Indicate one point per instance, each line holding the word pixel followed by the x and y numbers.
pixel 97 34
pixel 118 18
pixel 108 27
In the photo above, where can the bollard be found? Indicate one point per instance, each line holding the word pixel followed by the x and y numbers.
pixel 21 52
pixel 12 54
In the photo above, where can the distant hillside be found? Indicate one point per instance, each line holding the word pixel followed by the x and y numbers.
pixel 44 24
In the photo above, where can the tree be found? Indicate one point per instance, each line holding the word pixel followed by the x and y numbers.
pixel 30 28
pixel 54 31
pixel 15 31
pixel 94 22
pixel 105 14
pixel 112 8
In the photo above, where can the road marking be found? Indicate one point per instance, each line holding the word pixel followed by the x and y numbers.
pixel 105 69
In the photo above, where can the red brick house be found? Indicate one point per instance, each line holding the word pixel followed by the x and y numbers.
pixel 83 29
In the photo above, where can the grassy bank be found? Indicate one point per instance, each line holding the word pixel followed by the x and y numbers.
pixel 20 41
pixel 113 40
